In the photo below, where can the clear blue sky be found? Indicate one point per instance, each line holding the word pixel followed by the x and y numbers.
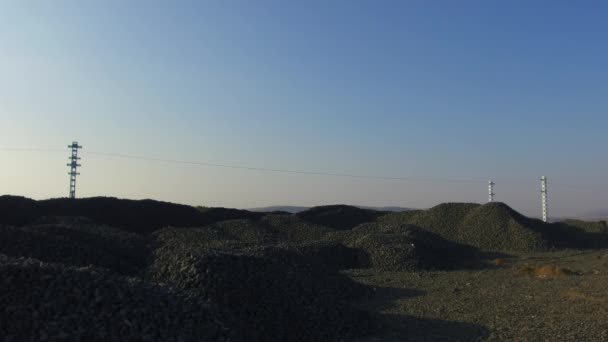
pixel 508 90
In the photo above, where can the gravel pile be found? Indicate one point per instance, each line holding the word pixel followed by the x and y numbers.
pixel 194 240
pixel 138 216
pixel 388 252
pixel 63 220
pixel 77 245
pixel 272 229
pixel 441 219
pixel 239 234
pixel 254 232
pixel 331 255
pixel 225 214
pixel 493 226
pixel 294 229
pixel 16 210
pixel 51 302
pixel 588 226
pixel 399 247
pixel 577 234
pixel 275 294
pixel 339 217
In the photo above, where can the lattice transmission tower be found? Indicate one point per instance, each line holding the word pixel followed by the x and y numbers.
pixel 543 193
pixel 73 167
pixel 491 191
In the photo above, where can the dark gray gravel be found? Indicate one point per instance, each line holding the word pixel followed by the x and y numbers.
pixel 330 255
pixel 493 226
pixel 494 304
pixel 293 228
pixel 77 244
pixel 339 217
pixel 400 247
pixel 275 294
pixel 52 302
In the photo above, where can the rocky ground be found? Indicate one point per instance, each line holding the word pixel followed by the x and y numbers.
pixel 104 269
pixel 500 303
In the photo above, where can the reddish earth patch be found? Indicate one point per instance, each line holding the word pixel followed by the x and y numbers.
pixel 499 262
pixel 574 294
pixel 544 271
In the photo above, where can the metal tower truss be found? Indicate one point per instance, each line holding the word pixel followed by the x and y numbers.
pixel 73 167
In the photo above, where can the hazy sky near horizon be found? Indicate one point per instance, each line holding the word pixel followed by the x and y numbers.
pixel 462 90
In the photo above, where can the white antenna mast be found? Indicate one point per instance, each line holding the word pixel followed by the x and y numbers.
pixel 543 192
pixel 491 191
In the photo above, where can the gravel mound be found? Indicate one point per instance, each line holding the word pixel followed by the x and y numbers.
pixel 493 226
pixel 141 216
pixel 272 229
pixel 77 245
pixel 577 234
pixel 16 210
pixel 587 226
pixel 396 248
pixel 224 214
pixel 275 294
pixel 293 228
pixel 339 217
pixel 331 255
pixel 254 232
pixel 235 235
pixel 440 218
pixel 63 220
pixel 388 252
pixel 196 239
pixel 50 302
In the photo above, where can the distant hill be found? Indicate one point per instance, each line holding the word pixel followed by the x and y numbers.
pixel 278 208
pixel 339 216
pixel 297 209
pixel 590 216
pixel 595 215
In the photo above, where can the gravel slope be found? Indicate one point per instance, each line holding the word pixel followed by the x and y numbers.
pixel 267 289
pixel 493 226
pixel 494 304
pixel 80 244
pixel 285 277
pixel 51 302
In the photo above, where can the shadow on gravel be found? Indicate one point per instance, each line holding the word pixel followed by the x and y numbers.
pixel 408 328
pixel 384 297
pixel 569 235
pixel 396 327
pixel 488 260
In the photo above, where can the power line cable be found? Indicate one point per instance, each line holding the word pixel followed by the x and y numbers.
pixel 13 149
pixel 303 172
pixel 578 187
pixel 290 171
